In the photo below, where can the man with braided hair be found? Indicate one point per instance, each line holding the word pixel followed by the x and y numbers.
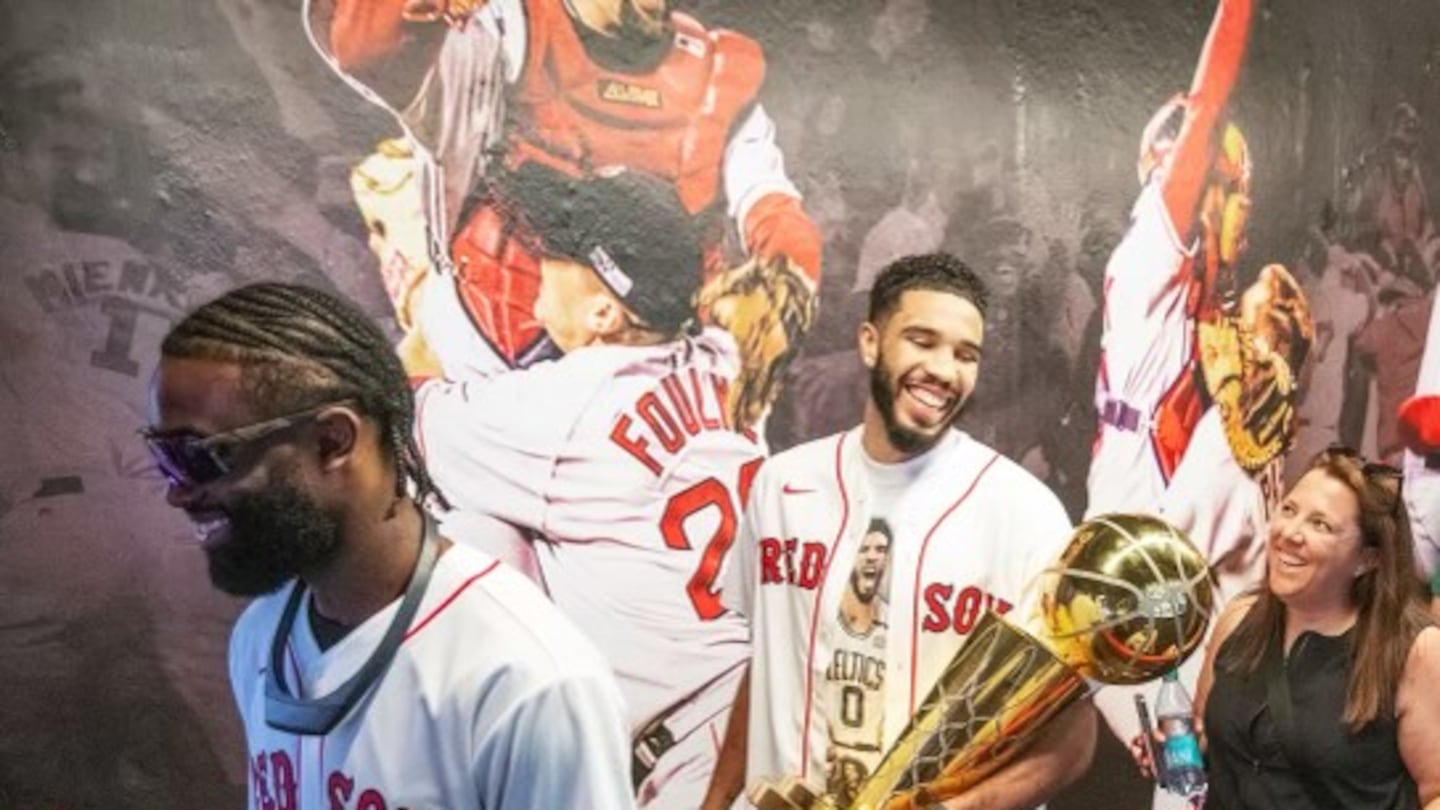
pixel 380 665
pixel 1196 386
pixel 587 87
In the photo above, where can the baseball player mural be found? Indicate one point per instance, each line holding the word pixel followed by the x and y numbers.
pixel 586 87
pixel 971 531
pixel 618 459
pixel 1196 388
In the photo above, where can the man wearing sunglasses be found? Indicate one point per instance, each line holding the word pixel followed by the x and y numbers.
pixel 619 460
pixel 379 666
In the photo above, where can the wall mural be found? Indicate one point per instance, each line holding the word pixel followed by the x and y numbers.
pixel 1204 225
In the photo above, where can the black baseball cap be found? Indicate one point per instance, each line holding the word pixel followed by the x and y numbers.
pixel 629 227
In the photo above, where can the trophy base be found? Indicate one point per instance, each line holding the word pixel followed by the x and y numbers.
pixel 997 692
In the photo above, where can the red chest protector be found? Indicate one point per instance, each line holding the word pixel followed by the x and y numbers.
pixel 672 121
pixel 574 115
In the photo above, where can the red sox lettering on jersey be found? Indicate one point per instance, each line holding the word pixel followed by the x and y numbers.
pixel 272 783
pixel 975 531
pixel 948 607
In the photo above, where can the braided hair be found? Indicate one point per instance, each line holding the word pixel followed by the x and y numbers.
pixel 300 347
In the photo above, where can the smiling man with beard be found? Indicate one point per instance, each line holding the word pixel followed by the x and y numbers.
pixel 380 664
pixel 965 530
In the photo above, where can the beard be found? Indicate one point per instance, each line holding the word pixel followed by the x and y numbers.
pixel 274 536
pixel 883 390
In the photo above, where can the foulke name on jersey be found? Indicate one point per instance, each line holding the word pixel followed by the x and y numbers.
pixel 693 403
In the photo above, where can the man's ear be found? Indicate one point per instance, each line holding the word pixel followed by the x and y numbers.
pixel 337 436
pixel 868 338
pixel 605 316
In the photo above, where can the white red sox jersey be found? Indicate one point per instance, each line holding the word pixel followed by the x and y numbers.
pixel 494 700
pixel 622 462
pixel 1146 353
pixel 972 533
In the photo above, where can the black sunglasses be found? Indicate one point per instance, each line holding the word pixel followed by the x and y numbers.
pixel 188 460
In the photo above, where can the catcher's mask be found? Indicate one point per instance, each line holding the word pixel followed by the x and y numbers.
pixel 1230 191
pixel 1157 140
pixel 1226 204
pixel 636 36
pixel 630 228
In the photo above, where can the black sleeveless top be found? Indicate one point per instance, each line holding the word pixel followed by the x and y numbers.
pixel 1250 768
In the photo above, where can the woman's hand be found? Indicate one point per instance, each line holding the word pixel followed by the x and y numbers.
pixel 1140 752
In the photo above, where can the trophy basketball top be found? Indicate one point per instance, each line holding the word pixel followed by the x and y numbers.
pixel 1128 600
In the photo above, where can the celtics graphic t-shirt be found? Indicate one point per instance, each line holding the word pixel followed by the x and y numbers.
pixel 855 677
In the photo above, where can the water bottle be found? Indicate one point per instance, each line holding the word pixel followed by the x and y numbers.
pixel 1183 764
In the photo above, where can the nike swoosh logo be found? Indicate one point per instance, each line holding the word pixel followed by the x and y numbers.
pixel 791 490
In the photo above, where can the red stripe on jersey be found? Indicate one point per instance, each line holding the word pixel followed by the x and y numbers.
pixel 815 614
pixel 451 598
pixel 920 568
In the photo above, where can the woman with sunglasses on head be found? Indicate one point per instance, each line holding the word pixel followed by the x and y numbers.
pixel 1321 689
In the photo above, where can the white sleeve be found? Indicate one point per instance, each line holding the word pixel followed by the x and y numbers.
pixel 737 580
pixel 563 746
pixel 1048 530
pixel 485 447
pixel 1146 274
pixel 754 166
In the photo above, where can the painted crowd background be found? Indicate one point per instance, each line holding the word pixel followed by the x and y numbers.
pixel 154 154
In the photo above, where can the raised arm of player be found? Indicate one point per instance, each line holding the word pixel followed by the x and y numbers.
pixel 375 43
pixel 1215 78
pixel 763 201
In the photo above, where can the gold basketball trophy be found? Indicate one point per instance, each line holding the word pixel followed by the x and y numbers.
pixel 1129 600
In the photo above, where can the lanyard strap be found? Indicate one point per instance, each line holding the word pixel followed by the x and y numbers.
pixel 287 712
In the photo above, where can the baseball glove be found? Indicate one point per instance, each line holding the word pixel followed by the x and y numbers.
pixel 454 13
pixel 767 305
pixel 1256 394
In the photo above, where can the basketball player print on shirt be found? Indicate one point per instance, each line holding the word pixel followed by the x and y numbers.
pixel 855 677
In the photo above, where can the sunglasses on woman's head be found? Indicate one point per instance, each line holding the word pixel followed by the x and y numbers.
pixel 1373 471
pixel 188 460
